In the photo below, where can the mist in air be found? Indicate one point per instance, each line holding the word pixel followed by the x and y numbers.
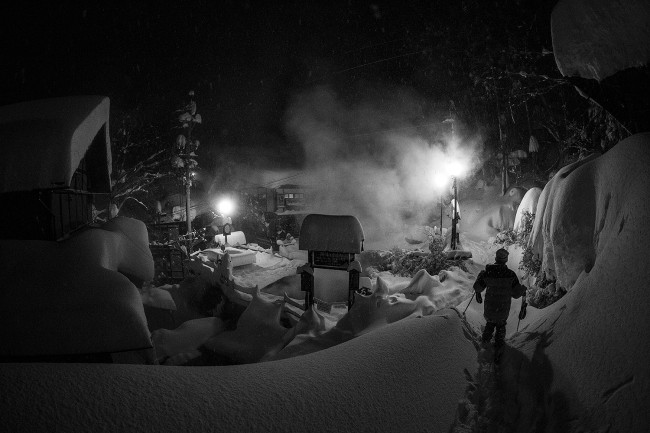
pixel 379 159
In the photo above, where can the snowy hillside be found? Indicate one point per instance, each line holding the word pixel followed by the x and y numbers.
pixel 578 365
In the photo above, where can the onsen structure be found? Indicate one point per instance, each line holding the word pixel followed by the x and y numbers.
pixel 332 242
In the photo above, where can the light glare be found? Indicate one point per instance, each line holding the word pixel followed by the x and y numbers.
pixel 440 180
pixel 456 168
pixel 225 206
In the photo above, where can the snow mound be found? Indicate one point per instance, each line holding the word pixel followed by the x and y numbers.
pixel 528 204
pixel 581 212
pixel 258 332
pixel 186 338
pixel 407 378
pixel 80 299
pixel 594 341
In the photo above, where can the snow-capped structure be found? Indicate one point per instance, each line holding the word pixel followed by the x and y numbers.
pixel 55 154
pixel 44 141
pixel 69 287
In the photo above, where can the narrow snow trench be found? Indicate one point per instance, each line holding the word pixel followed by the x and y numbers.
pixel 508 396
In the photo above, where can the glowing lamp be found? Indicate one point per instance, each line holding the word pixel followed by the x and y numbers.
pixel 456 168
pixel 225 206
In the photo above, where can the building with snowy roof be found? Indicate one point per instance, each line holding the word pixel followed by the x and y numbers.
pixel 56 156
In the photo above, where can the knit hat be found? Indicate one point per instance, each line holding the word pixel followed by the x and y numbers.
pixel 502 255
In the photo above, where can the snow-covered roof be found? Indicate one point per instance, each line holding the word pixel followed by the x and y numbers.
pixel 44 141
pixel 334 233
pixel 597 38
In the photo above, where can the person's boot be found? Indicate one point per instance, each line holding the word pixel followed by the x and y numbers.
pixel 486 337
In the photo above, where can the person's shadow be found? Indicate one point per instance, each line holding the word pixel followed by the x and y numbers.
pixel 515 394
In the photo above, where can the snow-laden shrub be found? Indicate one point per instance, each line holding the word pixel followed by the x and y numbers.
pixel 407 263
pixel 542 295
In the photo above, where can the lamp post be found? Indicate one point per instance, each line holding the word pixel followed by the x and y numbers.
pixel 186 146
pixel 456 169
pixel 454 219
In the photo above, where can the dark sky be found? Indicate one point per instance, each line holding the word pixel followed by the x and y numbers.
pixel 246 60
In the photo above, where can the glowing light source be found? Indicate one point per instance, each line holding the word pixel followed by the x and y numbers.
pixel 440 180
pixel 225 206
pixel 456 168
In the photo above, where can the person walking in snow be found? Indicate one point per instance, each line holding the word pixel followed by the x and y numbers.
pixel 501 284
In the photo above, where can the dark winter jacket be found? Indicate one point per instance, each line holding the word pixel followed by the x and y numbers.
pixel 502 284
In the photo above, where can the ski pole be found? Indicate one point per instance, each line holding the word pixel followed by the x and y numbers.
pixel 470 301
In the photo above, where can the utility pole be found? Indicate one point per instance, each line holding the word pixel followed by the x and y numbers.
pixel 454 219
pixel 188 187
pixel 186 147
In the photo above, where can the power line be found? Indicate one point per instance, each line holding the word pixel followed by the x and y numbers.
pixel 379 61
pixel 386 59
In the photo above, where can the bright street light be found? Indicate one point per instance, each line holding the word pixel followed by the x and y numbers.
pixel 456 168
pixel 225 206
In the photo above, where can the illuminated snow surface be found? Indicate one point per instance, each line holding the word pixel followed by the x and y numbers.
pixel 399 363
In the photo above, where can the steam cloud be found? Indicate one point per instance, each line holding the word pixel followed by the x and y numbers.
pixel 375 159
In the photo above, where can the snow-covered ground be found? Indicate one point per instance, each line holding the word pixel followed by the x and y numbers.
pixel 398 363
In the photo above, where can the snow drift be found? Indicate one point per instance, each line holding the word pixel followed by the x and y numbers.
pixel 591 230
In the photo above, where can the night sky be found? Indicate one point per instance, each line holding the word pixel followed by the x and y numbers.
pixel 246 61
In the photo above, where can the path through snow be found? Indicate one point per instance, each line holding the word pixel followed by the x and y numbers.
pixel 511 396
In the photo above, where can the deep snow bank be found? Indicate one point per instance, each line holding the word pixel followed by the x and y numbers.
pixel 408 377
pixel 75 296
pixel 592 230
pixel 583 210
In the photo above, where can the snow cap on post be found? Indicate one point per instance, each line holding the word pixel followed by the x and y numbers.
pixel 334 233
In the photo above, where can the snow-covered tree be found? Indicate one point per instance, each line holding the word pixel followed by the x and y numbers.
pixel 184 160
pixel 139 158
